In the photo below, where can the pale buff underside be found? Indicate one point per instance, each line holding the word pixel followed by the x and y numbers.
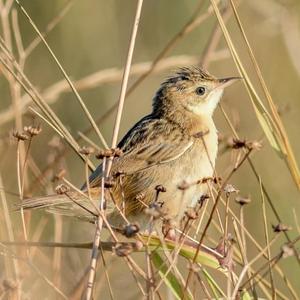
pixel 192 166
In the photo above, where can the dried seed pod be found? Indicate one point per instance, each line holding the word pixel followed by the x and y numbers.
pixel 281 227
pixel 217 180
pixel 119 173
pixel 131 230
pixel 32 130
pixel 103 153
pixel 205 180
pixel 20 136
pixel 203 198
pixel 183 186
pixel 118 152
pixel 287 251
pixel 229 189
pixel 109 183
pixel 235 143
pixel 138 245
pixel 106 153
pixel 168 228
pixel 254 145
pixel 62 189
pixel 227 261
pixel 160 188
pixel 86 150
pixel 191 214
pixel 242 200
pixel 123 249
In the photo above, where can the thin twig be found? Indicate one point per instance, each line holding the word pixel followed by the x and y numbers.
pixel 78 97
pixel 264 212
pixel 106 170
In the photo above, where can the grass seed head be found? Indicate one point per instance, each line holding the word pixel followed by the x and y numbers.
pixel 281 227
pixel 20 136
pixel 62 189
pixel 32 130
pixel 86 150
pixel 131 230
pixel 123 249
pixel 242 200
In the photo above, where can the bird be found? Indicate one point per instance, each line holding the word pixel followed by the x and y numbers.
pixel 175 145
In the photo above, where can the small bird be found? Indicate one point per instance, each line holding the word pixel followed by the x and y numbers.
pixel 175 144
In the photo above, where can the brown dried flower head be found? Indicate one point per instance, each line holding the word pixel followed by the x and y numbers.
pixel 33 130
pixel 106 153
pixel 254 145
pixel 287 251
pixel 160 188
pixel 86 150
pixel 281 227
pixel 242 200
pixel 183 186
pixel 235 143
pixel 229 189
pixel 191 214
pixel 203 198
pixel 62 189
pixel 20 136
pixel 131 230
pixel 109 183
pixel 118 173
pixel 123 249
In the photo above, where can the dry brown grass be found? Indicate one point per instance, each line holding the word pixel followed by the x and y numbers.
pixel 253 261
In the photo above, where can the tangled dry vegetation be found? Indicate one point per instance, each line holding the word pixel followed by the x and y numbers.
pixel 218 252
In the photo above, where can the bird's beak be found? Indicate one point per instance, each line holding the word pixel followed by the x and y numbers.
pixel 224 82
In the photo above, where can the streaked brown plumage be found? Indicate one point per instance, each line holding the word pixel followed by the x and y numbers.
pixel 177 142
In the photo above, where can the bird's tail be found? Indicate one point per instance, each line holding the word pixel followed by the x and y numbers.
pixel 71 203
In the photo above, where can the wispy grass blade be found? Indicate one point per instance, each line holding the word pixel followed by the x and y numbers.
pixel 217 291
pixel 270 123
pixel 78 97
pixel 170 279
pixel 289 157
pixel 203 257
pixel 22 79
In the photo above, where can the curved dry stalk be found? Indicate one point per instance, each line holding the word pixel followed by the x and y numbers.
pixel 78 97
pixel 280 130
pixel 106 170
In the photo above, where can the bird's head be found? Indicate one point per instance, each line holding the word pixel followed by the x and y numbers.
pixel 191 89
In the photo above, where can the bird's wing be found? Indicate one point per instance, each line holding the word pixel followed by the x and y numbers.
pixel 150 142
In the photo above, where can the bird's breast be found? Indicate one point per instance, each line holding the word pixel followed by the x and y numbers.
pixel 203 154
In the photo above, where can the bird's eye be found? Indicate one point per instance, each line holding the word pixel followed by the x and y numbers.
pixel 200 90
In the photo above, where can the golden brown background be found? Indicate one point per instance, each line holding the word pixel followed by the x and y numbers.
pixel 94 36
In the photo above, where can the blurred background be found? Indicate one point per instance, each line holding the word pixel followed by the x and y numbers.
pixel 90 39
